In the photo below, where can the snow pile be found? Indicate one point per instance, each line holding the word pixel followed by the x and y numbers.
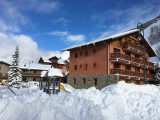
pixel 120 101
pixel 125 101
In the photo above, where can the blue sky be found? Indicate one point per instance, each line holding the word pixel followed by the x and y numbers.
pixel 51 25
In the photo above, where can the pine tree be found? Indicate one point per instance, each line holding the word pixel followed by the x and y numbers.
pixel 14 75
pixel 157 73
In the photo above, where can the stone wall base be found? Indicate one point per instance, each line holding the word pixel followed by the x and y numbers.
pixel 87 81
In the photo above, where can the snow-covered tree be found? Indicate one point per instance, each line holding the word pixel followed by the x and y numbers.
pixel 157 73
pixel 14 75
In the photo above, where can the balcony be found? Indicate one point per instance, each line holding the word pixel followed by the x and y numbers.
pixel 30 74
pixel 128 60
pixel 126 74
pixel 133 48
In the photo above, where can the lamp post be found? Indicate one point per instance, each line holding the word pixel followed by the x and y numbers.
pixel 29 63
pixel 139 38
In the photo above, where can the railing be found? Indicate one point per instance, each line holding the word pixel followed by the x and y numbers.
pixel 135 46
pixel 130 73
pixel 129 58
pixel 30 74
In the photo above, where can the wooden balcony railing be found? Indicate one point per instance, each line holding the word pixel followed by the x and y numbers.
pixel 130 73
pixel 30 74
pixel 128 44
pixel 137 49
pixel 132 59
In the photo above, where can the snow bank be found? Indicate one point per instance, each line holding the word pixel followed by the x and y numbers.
pixel 120 101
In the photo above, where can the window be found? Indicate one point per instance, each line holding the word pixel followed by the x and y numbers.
pixel 80 66
pixel 94 51
pixel 94 65
pixel 89 81
pixel 128 81
pixel 83 81
pixel 137 69
pixel 24 79
pixel 74 81
pixel 85 66
pixel 35 71
pixel 86 53
pixel 136 56
pixel 34 79
pixel 116 50
pixel 95 81
pixel 75 67
pixel 137 82
pixel 80 53
pixel 129 54
pixel 128 67
pixel 76 55
pixel 116 66
pixel 129 41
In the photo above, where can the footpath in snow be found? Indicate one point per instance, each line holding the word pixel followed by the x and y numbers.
pixel 120 101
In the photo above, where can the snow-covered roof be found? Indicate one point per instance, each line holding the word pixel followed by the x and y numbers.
pixel 61 61
pixel 52 72
pixel 43 73
pixel 35 66
pixel 46 60
pixel 5 63
pixel 102 39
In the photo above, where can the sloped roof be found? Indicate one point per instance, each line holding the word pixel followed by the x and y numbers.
pixel 35 66
pixel 103 39
pixel 148 47
pixel 5 63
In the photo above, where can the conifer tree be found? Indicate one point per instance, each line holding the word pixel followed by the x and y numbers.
pixel 157 73
pixel 14 75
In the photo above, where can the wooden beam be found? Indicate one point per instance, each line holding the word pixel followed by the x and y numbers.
pixel 40 83
pixel 53 85
pixel 49 86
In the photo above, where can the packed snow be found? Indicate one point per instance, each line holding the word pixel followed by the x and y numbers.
pixel 120 101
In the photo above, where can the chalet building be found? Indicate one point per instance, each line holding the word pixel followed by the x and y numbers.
pixel 105 61
pixel 33 72
pixel 56 62
pixel 4 68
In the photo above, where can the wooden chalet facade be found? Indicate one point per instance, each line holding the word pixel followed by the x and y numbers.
pixel 106 61
pixel 4 68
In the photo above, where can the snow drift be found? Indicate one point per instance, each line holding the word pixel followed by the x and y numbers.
pixel 120 101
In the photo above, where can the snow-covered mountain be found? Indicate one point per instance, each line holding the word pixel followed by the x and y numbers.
pixel 152 34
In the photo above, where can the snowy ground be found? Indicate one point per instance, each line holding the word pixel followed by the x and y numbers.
pixel 120 101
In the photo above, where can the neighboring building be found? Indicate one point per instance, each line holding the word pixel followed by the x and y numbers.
pixel 33 72
pixel 56 62
pixel 103 62
pixel 4 68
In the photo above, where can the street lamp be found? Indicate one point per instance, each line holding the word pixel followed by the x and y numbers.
pixel 29 63
pixel 139 38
